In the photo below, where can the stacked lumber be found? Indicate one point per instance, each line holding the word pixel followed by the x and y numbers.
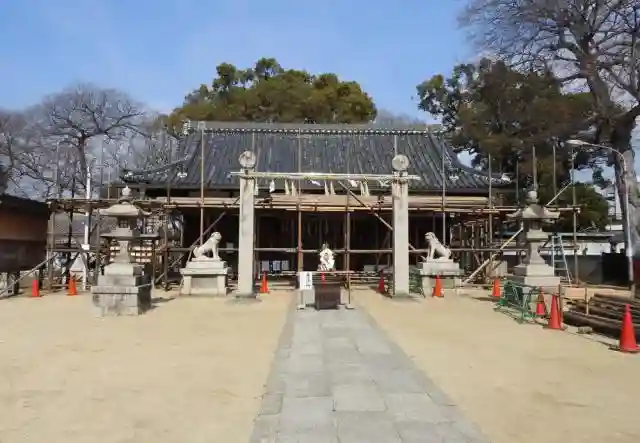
pixel 603 313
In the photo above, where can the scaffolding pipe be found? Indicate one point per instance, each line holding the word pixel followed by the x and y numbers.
pixel 486 262
pixel 199 240
pixel 96 272
pixel 383 221
pixel 444 198
pixel 167 213
pixel 575 223
pixel 87 227
pixel 301 176
pixel 28 273
pixel 295 250
pixel 490 259
pixel 490 274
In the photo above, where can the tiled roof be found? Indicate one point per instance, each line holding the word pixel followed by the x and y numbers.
pixel 321 148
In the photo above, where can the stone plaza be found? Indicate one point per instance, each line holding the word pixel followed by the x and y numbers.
pixel 203 369
pixel 336 377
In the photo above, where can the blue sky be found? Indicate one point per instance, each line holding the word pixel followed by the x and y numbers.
pixel 160 50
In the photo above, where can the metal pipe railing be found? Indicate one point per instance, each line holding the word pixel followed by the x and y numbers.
pixel 31 271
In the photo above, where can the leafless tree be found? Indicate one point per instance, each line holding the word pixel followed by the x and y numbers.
pixel 389 119
pixel 26 176
pixel 10 130
pixel 69 126
pixel 592 44
pixel 151 146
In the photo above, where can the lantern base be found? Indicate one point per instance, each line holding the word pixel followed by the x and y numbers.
pixel 122 290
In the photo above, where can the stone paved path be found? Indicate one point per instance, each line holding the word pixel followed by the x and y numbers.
pixel 338 378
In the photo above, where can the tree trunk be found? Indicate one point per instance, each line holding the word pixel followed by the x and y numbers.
pixel 621 141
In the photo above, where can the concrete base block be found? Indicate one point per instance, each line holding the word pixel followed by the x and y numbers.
pixel 440 267
pixel 449 272
pixel 204 277
pixel 447 282
pixel 122 290
pixel 115 301
pixel 306 297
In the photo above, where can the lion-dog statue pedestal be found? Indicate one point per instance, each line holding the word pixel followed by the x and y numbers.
pixel 205 275
pixel 438 263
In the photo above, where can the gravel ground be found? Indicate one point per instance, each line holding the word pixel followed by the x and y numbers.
pixel 191 370
pixel 518 383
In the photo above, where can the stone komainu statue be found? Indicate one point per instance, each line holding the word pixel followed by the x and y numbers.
pixel 435 247
pixel 211 245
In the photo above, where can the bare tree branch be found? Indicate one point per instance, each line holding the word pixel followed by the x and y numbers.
pixel 594 41
pixel 61 135
pixel 78 115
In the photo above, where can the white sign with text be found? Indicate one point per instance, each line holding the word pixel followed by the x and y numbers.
pixel 305 280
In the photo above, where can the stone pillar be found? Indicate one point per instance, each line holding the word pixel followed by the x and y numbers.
pixel 246 228
pixel 400 197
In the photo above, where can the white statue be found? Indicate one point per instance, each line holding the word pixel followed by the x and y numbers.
pixel 327 261
pixel 435 247
pixel 211 245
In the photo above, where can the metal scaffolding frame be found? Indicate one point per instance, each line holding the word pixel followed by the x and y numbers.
pixel 475 237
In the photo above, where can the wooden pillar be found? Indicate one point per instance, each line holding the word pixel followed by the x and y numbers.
pixel 256 254
pixel 490 245
pixel 51 244
pixel 165 252
pixel 299 241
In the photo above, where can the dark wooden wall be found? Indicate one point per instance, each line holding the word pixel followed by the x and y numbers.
pixel 279 229
pixel 23 233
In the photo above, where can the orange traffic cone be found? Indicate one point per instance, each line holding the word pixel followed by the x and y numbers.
pixel 541 307
pixel 437 288
pixel 496 292
pixel 381 287
pixel 264 285
pixel 554 318
pixel 35 288
pixel 627 334
pixel 71 287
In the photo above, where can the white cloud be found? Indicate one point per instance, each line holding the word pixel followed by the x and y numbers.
pixel 465 158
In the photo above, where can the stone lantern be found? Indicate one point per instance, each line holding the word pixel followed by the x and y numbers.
pixel 534 271
pixel 123 289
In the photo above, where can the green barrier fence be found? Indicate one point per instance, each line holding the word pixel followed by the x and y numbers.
pixel 415 281
pixel 518 298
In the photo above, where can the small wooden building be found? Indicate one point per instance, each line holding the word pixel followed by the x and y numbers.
pixel 23 233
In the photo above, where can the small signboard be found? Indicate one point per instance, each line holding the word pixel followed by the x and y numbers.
pixel 305 280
